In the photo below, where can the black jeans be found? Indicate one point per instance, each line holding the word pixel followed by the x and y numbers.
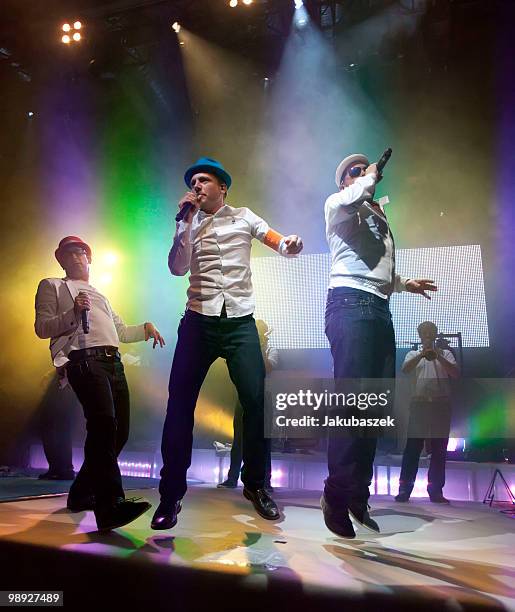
pixel 101 386
pixel 201 340
pixel 430 420
pixel 359 327
pixel 237 449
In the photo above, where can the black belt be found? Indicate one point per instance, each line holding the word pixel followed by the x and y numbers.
pixel 95 351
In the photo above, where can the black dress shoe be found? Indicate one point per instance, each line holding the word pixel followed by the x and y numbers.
pixel 402 497
pixel 359 511
pixel 122 512
pixel 80 504
pixel 263 503
pixel 227 484
pixel 64 475
pixel 337 520
pixel 165 517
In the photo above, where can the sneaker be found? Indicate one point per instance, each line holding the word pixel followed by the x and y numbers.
pixel 220 446
pixel 337 521
pixel 403 496
pixel 64 475
pixel 227 484
pixel 359 512
pixel 438 498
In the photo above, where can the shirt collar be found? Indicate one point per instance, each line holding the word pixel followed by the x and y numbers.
pixel 221 212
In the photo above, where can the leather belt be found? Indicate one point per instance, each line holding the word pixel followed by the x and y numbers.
pixel 95 351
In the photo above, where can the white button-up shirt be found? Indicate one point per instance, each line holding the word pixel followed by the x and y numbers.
pixel 360 240
pixel 215 249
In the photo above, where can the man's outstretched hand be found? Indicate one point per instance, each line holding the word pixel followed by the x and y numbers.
pixel 151 332
pixel 421 285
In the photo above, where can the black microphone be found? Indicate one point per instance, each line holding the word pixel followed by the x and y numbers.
pixel 383 161
pixel 183 212
pixel 84 315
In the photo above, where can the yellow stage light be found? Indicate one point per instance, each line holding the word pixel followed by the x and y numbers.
pixel 76 37
pixel 176 27
pixel 66 39
pixel 77 25
pixel 247 2
pixel 233 3
pixel 66 27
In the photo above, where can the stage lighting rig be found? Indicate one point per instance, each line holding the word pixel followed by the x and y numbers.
pixel 71 32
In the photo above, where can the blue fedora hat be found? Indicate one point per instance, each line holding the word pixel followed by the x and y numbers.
pixel 211 166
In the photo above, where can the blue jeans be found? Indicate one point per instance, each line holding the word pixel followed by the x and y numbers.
pixel 359 327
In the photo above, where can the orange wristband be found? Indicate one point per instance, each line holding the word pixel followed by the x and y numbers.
pixel 273 239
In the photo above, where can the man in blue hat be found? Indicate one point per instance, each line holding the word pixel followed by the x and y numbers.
pixel 212 242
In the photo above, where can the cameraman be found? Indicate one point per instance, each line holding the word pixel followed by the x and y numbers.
pixel 430 413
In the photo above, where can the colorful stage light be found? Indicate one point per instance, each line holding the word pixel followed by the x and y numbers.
pixel 66 27
pixel 66 39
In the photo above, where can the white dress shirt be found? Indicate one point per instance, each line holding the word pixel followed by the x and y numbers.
pixel 55 319
pixel 215 249
pixel 360 241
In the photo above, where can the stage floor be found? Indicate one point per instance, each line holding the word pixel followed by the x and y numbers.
pixel 464 551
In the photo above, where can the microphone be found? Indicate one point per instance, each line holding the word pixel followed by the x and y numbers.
pixel 84 315
pixel 383 161
pixel 184 211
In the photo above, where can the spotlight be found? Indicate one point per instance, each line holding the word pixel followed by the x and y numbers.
pixel 176 27
pixel 247 2
pixel 233 3
pixel 30 114
pixel 77 25
pixel 76 37
pixel 66 39
pixel 298 4
pixel 66 27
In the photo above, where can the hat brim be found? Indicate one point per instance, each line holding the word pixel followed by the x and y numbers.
pixel 345 163
pixel 218 172
pixel 62 249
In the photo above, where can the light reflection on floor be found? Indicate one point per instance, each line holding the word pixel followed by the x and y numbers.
pixel 463 550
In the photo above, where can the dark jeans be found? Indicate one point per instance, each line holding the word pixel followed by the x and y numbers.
pixel 101 386
pixel 201 340
pixel 237 449
pixel 359 327
pixel 430 418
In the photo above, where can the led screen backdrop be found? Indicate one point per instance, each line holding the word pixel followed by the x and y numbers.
pixel 291 293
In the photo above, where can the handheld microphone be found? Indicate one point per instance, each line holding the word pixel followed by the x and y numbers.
pixel 384 159
pixel 84 315
pixel 183 212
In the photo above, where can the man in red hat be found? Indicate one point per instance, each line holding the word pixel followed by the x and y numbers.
pixel 359 326
pixel 88 351
pixel 213 244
